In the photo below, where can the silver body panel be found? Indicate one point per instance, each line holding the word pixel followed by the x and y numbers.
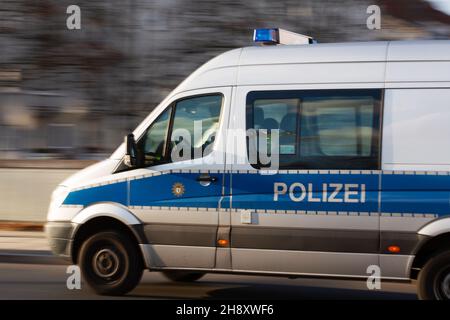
pixel 168 256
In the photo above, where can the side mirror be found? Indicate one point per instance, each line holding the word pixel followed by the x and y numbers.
pixel 131 154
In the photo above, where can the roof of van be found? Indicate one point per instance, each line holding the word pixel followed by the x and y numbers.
pixel 348 52
pixel 223 67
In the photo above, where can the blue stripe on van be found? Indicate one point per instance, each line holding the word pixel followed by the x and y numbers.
pixel 255 191
pixel 115 192
pixel 153 191
pixel 415 193
pixel 401 193
pixel 157 191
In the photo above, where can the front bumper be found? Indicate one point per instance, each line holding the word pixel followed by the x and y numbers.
pixel 60 237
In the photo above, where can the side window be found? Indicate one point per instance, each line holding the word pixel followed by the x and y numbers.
pixel 279 114
pixel 195 125
pixel 154 141
pixel 339 126
pixel 320 129
pixel 191 123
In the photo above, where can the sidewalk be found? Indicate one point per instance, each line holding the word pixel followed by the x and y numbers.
pixel 26 247
pixel 23 240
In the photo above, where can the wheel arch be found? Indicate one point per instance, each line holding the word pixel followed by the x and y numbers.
pixel 438 232
pixel 106 209
pixel 105 216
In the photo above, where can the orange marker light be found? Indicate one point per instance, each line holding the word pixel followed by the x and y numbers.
pixel 394 249
pixel 222 242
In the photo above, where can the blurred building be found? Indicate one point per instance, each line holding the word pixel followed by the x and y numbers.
pixel 76 93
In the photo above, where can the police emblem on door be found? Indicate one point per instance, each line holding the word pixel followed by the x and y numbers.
pixel 178 189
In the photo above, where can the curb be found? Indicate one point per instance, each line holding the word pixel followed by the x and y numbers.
pixel 31 257
pixel 46 164
pixel 21 226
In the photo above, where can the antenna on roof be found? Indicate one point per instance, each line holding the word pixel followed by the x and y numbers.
pixel 280 36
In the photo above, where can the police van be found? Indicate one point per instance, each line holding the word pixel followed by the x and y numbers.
pixel 359 175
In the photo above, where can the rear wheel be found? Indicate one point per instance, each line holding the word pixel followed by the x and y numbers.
pixel 110 263
pixel 183 276
pixel 434 278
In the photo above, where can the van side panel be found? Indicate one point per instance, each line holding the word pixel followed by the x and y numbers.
pixel 415 71
pixel 318 73
pixel 314 235
pixel 416 129
pixel 415 184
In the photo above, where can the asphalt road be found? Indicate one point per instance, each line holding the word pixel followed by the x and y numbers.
pixel 35 275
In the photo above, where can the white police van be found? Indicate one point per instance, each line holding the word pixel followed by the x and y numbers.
pixel 362 175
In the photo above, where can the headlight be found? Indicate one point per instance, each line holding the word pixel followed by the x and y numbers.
pixel 58 196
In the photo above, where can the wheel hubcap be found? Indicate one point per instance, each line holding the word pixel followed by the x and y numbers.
pixel 445 286
pixel 105 263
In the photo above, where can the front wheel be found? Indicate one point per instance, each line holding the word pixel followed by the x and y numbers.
pixel 110 263
pixel 183 276
pixel 434 278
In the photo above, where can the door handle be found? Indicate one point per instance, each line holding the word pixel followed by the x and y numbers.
pixel 206 178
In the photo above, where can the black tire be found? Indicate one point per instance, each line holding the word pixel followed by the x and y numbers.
pixel 183 276
pixel 110 263
pixel 434 278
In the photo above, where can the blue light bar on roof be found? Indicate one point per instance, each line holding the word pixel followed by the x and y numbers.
pixel 266 36
pixel 280 36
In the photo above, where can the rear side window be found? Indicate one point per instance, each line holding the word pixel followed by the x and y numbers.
pixel 319 129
